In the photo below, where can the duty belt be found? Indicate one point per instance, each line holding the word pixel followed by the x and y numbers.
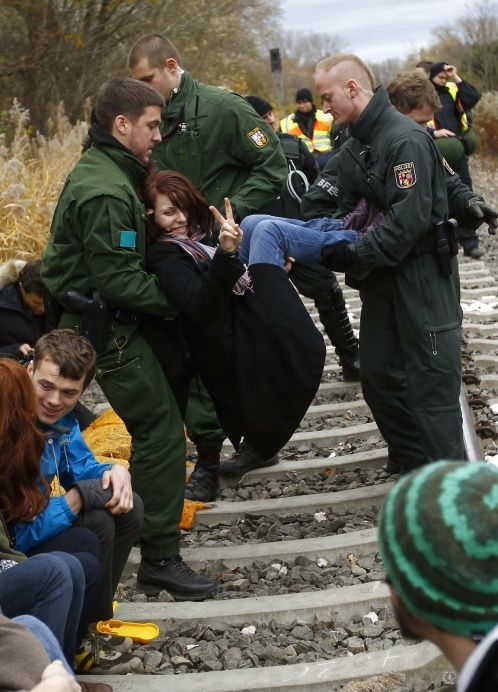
pixel 123 316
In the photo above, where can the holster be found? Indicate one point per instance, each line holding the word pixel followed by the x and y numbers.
pixel 95 317
pixel 441 241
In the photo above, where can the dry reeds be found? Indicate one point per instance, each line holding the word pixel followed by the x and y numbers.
pixel 32 172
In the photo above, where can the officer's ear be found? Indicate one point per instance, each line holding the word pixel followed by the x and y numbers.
pixel 351 88
pixel 171 65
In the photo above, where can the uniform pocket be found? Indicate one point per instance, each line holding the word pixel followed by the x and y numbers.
pixel 445 338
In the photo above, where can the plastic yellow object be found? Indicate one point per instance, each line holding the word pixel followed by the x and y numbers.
pixel 142 632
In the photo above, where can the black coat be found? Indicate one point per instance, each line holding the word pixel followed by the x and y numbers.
pixel 17 325
pixel 259 355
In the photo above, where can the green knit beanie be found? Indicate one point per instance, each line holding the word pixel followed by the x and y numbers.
pixel 438 536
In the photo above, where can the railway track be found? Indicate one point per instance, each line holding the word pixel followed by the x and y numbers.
pixel 302 604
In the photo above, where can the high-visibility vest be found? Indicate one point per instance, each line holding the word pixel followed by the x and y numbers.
pixel 453 89
pixel 321 131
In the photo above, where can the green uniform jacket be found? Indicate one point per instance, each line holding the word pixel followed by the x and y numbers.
pixel 322 197
pixel 97 238
pixel 395 164
pixel 216 139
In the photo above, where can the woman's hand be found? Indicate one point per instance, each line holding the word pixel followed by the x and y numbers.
pixel 230 234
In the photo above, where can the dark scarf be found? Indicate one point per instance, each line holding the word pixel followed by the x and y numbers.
pixel 306 121
pixel 121 155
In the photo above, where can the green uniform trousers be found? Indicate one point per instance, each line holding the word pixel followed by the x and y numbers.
pixel 135 386
pixel 201 420
pixel 410 357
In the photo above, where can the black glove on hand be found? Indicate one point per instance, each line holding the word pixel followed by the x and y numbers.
pixel 92 493
pixel 339 257
pixel 483 213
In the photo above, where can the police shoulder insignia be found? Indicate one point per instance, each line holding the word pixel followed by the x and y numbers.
pixel 448 167
pixel 258 137
pixel 128 239
pixel 405 175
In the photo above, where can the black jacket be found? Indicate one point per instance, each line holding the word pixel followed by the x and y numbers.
pixel 449 117
pixel 259 355
pixel 17 325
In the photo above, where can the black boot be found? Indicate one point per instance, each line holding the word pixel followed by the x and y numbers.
pixel 329 302
pixel 245 460
pixel 203 484
pixel 175 577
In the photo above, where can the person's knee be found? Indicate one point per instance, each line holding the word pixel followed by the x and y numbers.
pixel 50 570
pixel 73 565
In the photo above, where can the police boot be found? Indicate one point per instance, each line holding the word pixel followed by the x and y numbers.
pixel 329 302
pixel 203 484
pixel 246 459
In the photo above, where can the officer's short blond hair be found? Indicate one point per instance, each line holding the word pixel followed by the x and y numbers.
pixel 360 70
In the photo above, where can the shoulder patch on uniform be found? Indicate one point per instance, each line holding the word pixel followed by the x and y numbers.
pixel 128 239
pixel 405 175
pixel 258 137
pixel 448 167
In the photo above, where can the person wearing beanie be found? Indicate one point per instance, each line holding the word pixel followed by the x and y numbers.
pixel 438 537
pixel 453 133
pixel 311 125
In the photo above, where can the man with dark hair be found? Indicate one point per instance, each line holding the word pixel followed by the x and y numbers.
pixel 94 265
pixel 438 538
pixel 215 138
pixel 310 124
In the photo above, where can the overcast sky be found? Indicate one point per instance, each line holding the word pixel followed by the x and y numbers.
pixel 374 29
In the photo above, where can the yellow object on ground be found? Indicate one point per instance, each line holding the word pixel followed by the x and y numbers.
pixel 142 632
pixel 109 439
pixel 190 509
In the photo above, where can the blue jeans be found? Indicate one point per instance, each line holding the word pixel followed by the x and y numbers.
pixel 270 239
pixel 45 637
pixel 51 588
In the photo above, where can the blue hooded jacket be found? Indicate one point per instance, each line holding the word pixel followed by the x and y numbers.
pixel 67 456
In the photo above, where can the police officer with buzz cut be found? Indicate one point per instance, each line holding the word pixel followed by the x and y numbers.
pixel 214 137
pixel 411 316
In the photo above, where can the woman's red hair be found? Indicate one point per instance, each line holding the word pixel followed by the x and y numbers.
pixel 23 491
pixel 184 196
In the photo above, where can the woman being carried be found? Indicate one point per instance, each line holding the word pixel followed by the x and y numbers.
pixel 250 338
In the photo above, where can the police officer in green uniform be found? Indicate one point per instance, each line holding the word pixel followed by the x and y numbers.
pixel 413 95
pixel 94 265
pixel 411 317
pixel 214 137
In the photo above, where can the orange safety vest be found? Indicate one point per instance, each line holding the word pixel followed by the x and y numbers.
pixel 321 131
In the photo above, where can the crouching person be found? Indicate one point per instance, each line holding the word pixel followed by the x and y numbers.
pixel 438 536
pixel 98 496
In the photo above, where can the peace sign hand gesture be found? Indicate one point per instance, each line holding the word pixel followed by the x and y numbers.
pixel 230 234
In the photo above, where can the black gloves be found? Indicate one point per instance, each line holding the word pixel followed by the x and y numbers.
pixel 482 213
pixel 339 258
pixel 92 494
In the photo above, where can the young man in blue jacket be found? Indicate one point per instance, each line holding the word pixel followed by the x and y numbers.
pixel 98 496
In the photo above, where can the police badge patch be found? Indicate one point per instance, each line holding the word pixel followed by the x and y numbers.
pixel 258 137
pixel 405 175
